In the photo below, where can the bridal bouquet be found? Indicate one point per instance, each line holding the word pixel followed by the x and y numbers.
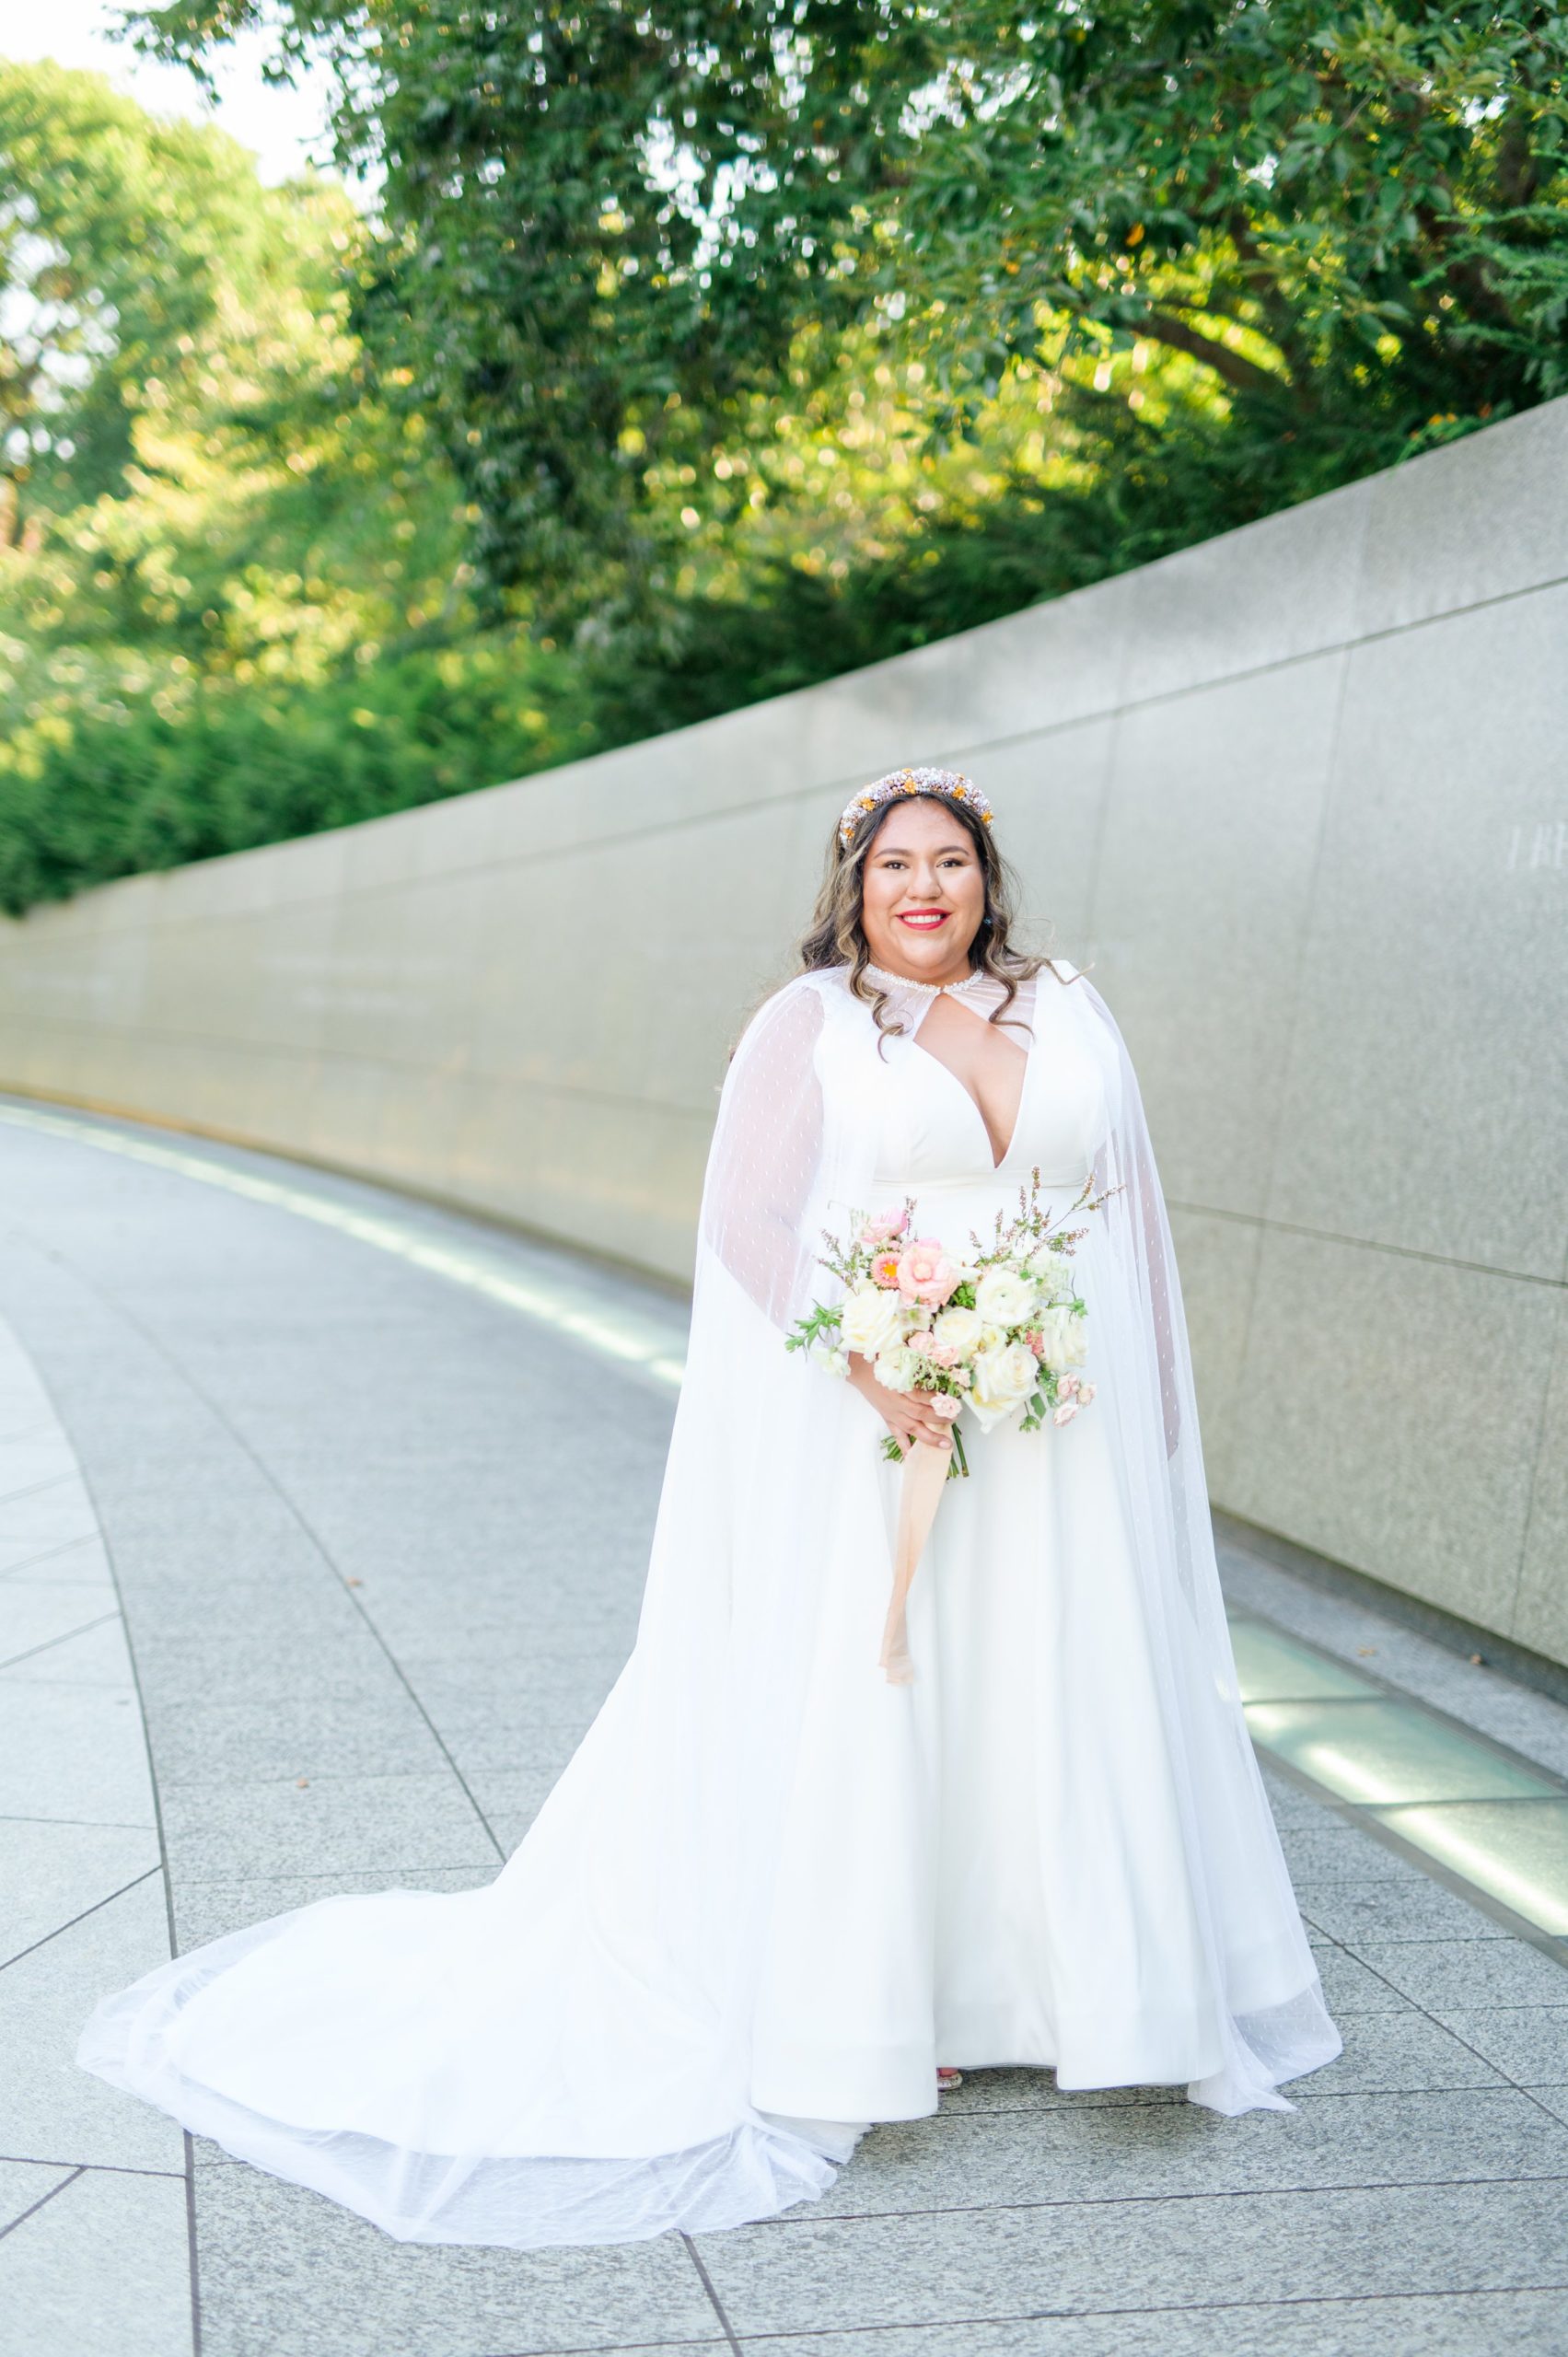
pixel 1001 1328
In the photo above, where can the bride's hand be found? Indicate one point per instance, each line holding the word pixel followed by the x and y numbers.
pixel 907 1414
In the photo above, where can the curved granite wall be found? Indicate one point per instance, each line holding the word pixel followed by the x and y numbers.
pixel 1298 795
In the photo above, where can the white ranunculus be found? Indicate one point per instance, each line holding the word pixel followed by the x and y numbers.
pixel 959 1327
pixel 1002 1379
pixel 1005 1297
pixel 1065 1340
pixel 898 1369
pixel 870 1322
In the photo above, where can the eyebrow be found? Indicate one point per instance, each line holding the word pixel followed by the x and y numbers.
pixel 906 851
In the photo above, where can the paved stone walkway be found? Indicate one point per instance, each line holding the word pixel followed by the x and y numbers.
pixel 376 1539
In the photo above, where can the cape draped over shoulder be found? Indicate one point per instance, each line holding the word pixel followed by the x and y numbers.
pixel 640 2024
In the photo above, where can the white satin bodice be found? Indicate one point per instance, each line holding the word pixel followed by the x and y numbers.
pixel 932 1138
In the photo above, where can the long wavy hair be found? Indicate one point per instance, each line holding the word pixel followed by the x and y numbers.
pixel 836 935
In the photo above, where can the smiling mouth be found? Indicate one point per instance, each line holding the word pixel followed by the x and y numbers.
pixel 924 920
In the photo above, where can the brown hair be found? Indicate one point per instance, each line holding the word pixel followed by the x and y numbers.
pixel 836 935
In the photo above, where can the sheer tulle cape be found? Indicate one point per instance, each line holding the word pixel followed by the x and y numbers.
pixel 602 2044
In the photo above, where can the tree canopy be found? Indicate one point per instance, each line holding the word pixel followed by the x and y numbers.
pixel 234 598
pixel 608 229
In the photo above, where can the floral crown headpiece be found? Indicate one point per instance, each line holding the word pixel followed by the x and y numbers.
pixel 898 783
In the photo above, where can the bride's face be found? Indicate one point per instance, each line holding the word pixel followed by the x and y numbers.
pixel 923 892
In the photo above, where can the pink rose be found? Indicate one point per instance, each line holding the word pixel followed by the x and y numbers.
pixel 1086 1393
pixel 942 1404
pixel 924 1343
pixel 1065 1413
pixel 942 1353
pixel 883 1228
pixel 925 1273
pixel 1066 1386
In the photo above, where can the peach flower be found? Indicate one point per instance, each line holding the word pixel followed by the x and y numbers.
pixel 925 1273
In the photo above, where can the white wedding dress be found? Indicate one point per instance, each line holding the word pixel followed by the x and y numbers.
pixel 772 1891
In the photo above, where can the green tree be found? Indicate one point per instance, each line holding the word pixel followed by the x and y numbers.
pixel 121 240
pixel 1351 217
pixel 610 229
pixel 237 606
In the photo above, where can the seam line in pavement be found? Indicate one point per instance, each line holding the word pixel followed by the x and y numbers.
pixel 98 1824
pixel 33 2208
pixel 61 1547
pixel 63 1639
pixel 1388 2185
pixel 60 1929
pixel 193 2259
pixel 707 2282
pixel 91 2168
pixel 32 1488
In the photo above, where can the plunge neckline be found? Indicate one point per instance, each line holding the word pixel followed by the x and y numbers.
pixel 998 1162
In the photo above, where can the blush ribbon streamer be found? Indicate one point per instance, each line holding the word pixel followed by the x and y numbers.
pixel 920 1492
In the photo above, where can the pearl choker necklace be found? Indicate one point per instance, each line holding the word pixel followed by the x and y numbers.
pixel 927 990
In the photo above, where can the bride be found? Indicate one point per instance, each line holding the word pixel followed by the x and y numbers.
pixel 774 1893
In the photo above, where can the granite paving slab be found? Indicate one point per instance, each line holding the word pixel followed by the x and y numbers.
pixel 274 2253
pixel 1359 1912
pixel 50 2110
pixel 208 1910
pixel 35 1613
pixel 1337 1851
pixel 327 1825
pixel 1197 2253
pixel 1351 1987
pixel 1405 2138
pixel 1526 2043
pixel 1447 1974
pixel 51 1516
pixel 69 1559
pixel 101 2270
pixel 23 2184
pixel 67 1751
pixel 95 1655
pixel 1390 2053
pixel 51 1874
pixel 1455 2324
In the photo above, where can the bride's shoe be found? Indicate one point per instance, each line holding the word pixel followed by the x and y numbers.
pixel 946 2079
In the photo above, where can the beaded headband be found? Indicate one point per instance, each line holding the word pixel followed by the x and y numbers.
pixel 951 783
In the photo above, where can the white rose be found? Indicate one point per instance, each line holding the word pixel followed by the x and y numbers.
pixel 1002 1379
pixel 960 1328
pixel 1065 1340
pixel 898 1369
pixel 870 1321
pixel 1005 1297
